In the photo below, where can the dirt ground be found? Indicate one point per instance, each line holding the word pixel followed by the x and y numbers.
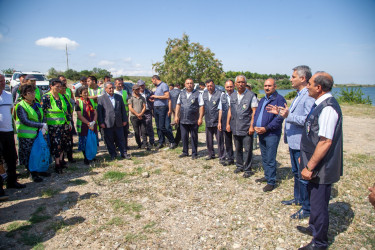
pixel 157 200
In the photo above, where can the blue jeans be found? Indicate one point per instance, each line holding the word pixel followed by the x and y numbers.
pixel 268 148
pixel 161 114
pixel 300 185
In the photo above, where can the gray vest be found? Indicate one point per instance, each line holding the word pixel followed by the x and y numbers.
pixel 211 112
pixel 174 93
pixel 241 113
pixel 189 110
pixel 330 168
pixel 224 109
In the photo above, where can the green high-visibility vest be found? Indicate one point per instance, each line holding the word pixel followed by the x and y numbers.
pixel 69 93
pixel 92 91
pixel 79 122
pixel 24 131
pixel 38 96
pixel 125 99
pixel 56 116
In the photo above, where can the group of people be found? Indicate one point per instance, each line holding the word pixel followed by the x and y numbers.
pixel 312 129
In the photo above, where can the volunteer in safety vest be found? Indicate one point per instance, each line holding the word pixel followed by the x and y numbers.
pixel 29 120
pixel 67 94
pixel 94 90
pixel 57 112
pixel 86 119
pixel 119 84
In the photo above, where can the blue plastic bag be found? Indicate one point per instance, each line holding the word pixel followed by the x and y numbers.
pixel 91 147
pixel 40 156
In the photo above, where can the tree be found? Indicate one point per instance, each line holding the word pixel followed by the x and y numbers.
pixel 53 73
pixel 8 71
pixel 184 60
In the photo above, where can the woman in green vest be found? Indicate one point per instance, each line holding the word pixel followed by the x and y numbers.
pixel 86 119
pixel 57 112
pixel 29 120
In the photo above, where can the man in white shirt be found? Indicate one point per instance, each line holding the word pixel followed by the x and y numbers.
pixel 321 156
pixel 7 145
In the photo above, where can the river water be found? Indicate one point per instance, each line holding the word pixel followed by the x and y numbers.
pixel 367 91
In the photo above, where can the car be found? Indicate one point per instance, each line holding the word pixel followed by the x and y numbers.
pixel 41 81
pixel 75 86
pixel 8 77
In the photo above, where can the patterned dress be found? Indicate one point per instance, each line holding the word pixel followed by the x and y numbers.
pixel 89 114
pixel 59 135
pixel 25 144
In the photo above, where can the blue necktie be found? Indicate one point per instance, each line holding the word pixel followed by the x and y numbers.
pixel 312 110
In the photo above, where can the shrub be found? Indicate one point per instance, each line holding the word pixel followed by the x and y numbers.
pixel 353 95
pixel 291 95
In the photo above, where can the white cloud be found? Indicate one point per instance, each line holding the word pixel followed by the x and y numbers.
pixel 119 72
pixel 105 63
pixel 57 42
pixel 92 54
pixel 127 59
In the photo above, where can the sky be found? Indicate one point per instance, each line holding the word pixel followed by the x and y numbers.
pixel 127 37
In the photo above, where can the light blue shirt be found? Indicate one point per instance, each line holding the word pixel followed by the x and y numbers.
pixel 260 117
pixel 160 90
pixel 112 99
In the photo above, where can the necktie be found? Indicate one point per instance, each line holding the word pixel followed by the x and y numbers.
pixel 312 109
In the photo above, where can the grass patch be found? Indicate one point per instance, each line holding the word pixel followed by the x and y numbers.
pixel 207 167
pixel 149 225
pixel 15 227
pixel 157 171
pixel 137 161
pixel 37 218
pixel 137 171
pixel 49 192
pixel 114 175
pixel 117 221
pixel 38 246
pixel 78 182
pixel 128 208
pixel 30 239
pixel 131 238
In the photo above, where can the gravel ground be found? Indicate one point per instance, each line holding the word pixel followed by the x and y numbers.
pixel 157 200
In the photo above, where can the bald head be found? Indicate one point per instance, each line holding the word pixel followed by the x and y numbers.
pixel 323 79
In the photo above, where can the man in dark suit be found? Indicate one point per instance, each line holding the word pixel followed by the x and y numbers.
pixel 112 118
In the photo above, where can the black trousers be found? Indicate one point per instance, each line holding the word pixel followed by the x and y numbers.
pixel 114 137
pixel 319 216
pixel 177 138
pixel 149 127
pixel 9 153
pixel 191 129
pixel 244 152
pixel 228 145
pixel 126 134
pixel 210 132
pixel 139 127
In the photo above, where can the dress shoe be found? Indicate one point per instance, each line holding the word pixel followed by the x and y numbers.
pixel 230 162
pixel 305 230
pixel 86 161
pixel 210 158
pixel 126 156
pixel 183 155
pixel 238 170
pixel 268 188
pixel 37 178
pixel 15 185
pixel 260 180
pixel 194 157
pixel 159 146
pixel 312 246
pixel 223 162
pixel 290 202
pixel 173 146
pixel 247 174
pixel 4 197
pixel 44 174
pixel 113 157
pixel 300 214
pixel 71 160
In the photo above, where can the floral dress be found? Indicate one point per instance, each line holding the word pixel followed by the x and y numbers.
pixel 89 113
pixel 25 144
pixel 59 135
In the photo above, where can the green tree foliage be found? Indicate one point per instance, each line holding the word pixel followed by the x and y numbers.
pixel 291 95
pixel 184 60
pixel 8 71
pixel 353 95
pixel 74 75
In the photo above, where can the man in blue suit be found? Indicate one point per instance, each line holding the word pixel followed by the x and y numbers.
pixel 295 117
